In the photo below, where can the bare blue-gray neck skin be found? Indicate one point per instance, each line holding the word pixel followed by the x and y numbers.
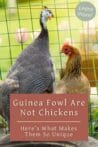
pixel 44 18
pixel 43 21
pixel 42 41
pixel 43 36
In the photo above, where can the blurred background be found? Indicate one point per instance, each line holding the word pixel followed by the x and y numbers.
pixel 19 26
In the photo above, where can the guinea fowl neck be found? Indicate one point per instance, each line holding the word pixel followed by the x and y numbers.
pixel 42 41
pixel 73 66
pixel 44 30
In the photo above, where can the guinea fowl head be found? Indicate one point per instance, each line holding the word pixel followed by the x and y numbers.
pixel 44 16
pixel 69 50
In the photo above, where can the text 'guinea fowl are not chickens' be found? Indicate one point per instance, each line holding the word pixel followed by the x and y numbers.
pixel 48 110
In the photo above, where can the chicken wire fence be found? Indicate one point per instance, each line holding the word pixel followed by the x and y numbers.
pixel 22 18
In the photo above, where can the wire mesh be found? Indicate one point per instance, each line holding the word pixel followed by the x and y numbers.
pixel 64 26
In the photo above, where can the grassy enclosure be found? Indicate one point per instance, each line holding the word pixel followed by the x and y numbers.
pixel 65 26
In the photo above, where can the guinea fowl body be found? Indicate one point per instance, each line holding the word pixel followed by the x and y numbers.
pixel 33 68
pixel 73 81
pixel 32 71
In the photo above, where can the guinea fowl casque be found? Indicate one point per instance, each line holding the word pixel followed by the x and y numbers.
pixel 73 81
pixel 33 70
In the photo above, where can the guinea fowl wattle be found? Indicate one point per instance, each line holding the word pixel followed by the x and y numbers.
pixel 32 71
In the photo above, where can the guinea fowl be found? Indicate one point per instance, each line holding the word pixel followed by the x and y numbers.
pixel 73 80
pixel 33 70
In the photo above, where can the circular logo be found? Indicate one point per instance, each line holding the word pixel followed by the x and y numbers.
pixel 85 11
